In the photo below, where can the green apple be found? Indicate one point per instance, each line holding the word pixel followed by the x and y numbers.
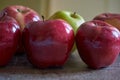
pixel 74 19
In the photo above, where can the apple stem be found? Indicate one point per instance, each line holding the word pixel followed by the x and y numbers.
pixel 18 10
pixel 3 14
pixel 43 18
pixel 74 13
pixel 106 15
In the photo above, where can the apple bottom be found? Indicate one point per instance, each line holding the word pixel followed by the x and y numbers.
pixel 49 55
pixel 101 60
pixel 6 53
pixel 97 54
pixel 47 64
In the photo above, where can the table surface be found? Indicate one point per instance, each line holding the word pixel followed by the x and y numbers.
pixel 74 69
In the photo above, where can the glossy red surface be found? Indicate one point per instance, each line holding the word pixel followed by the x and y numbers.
pixel 105 16
pixel 98 43
pixel 111 18
pixel 23 15
pixel 9 38
pixel 48 43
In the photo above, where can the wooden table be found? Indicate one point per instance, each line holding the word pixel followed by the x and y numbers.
pixel 20 69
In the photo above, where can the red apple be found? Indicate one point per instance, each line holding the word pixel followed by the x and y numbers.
pixel 23 15
pixel 111 18
pixel 48 43
pixel 9 38
pixel 98 43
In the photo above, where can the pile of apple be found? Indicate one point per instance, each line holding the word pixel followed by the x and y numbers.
pixel 49 43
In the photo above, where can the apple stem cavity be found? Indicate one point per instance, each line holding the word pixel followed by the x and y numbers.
pixel 3 15
pixel 22 11
pixel 19 10
pixel 106 15
pixel 74 15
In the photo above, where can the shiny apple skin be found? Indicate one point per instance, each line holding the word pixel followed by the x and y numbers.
pixel 48 43
pixel 104 16
pixel 9 39
pixel 22 14
pixel 111 18
pixel 73 18
pixel 98 43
